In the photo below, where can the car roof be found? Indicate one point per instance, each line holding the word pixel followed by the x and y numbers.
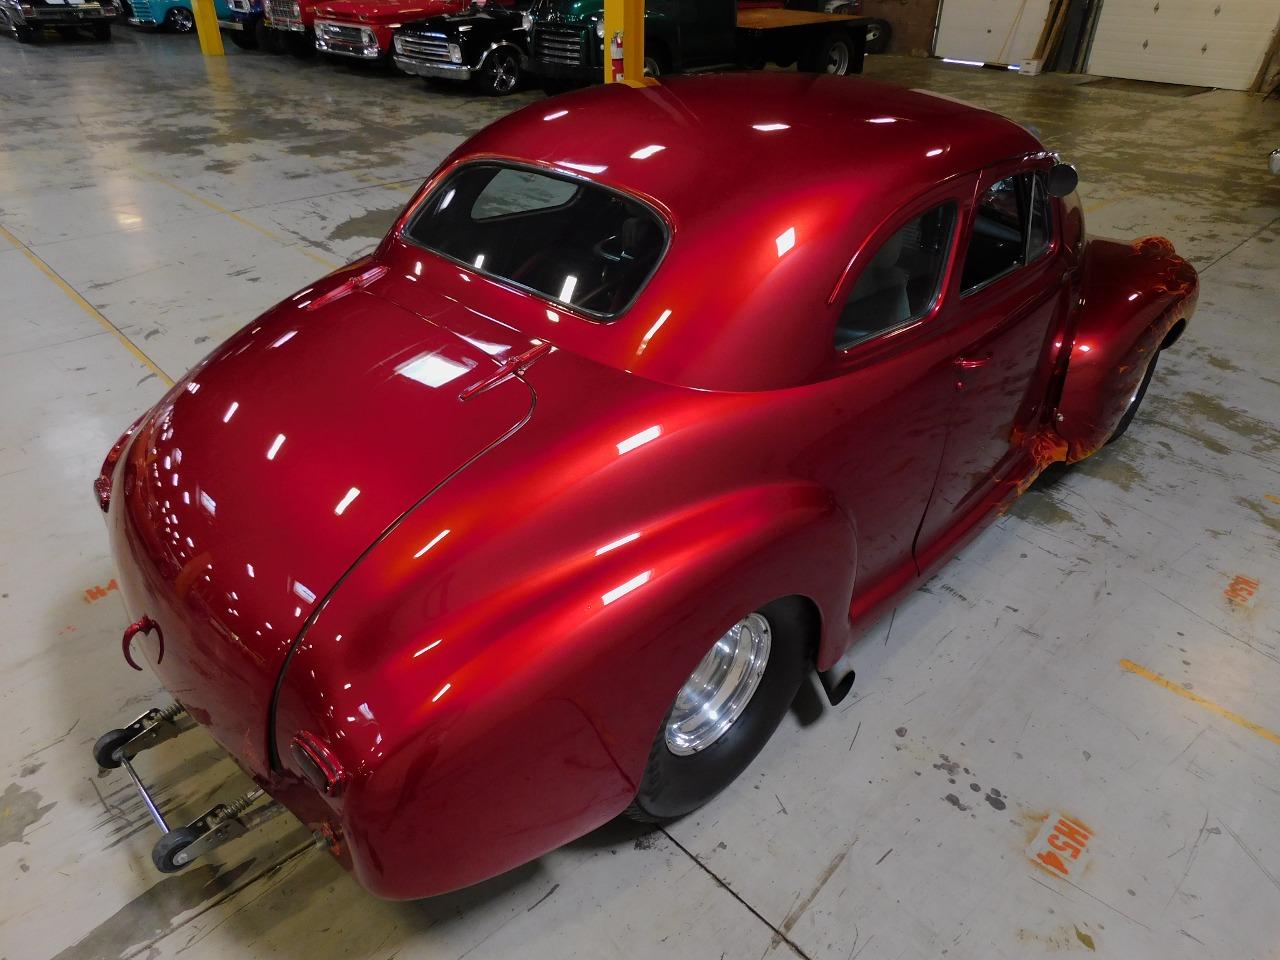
pixel 770 181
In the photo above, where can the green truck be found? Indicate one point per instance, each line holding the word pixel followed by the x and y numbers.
pixel 567 46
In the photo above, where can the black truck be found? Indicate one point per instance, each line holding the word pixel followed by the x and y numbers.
pixel 26 19
pixel 568 42
pixel 487 46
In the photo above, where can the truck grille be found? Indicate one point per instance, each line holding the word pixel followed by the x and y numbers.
pixel 558 45
pixel 340 32
pixel 280 13
pixel 424 47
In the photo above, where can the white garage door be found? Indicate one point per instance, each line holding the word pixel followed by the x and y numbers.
pixel 990 31
pixel 1207 43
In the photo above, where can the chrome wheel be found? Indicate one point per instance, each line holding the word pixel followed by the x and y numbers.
pixel 181 20
pixel 838 59
pixel 652 68
pixel 719 689
pixel 506 71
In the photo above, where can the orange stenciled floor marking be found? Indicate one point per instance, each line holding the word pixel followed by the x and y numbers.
pixel 95 593
pixel 1241 589
pixel 1221 711
pixel 1061 847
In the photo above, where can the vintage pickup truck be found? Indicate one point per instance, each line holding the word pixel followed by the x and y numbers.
pixel 175 15
pixel 25 19
pixel 486 45
pixel 245 25
pixel 364 28
pixel 567 42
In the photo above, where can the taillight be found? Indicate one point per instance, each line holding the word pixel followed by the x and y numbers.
pixel 102 485
pixel 317 763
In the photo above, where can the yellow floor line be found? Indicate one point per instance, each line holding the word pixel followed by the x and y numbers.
pixel 1209 705
pixel 219 208
pixel 86 306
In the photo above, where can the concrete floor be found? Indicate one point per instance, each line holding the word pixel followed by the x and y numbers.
pixel 152 202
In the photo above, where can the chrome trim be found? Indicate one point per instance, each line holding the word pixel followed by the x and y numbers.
pixel 720 688
pixel 420 68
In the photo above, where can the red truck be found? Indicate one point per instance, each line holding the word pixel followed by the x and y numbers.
pixel 364 28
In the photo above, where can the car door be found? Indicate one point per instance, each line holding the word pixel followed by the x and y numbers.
pixel 893 386
pixel 1009 302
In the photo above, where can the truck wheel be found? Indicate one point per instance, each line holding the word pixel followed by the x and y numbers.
pixel 268 39
pixel 102 31
pixel 23 33
pixel 501 74
pixel 832 54
pixel 301 45
pixel 879 33
pixel 180 20
pixel 244 39
pixel 726 712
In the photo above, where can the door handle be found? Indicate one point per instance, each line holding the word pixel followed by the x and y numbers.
pixel 973 363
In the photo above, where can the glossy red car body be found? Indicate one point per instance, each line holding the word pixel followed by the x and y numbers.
pixel 480 609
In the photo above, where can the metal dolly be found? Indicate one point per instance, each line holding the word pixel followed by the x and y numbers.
pixel 219 824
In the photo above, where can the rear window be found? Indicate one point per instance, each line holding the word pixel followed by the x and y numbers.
pixel 569 240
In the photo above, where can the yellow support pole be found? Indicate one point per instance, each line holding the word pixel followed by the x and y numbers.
pixel 207 28
pixel 624 27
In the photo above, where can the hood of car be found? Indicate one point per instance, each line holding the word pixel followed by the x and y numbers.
pixel 383 11
pixel 256 484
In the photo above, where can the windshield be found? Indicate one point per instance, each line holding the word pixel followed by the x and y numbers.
pixel 569 240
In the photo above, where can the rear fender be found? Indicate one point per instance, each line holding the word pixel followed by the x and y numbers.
pixel 484 735
pixel 1134 297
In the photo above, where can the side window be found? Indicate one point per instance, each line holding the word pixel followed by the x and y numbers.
pixel 1010 228
pixel 902 281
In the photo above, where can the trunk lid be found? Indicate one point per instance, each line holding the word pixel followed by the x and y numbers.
pixel 266 473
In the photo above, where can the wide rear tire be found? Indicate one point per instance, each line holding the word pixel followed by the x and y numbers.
pixel 677 783
pixel 1135 402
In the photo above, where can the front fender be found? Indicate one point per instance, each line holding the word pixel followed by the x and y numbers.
pixel 1133 296
pixel 481 732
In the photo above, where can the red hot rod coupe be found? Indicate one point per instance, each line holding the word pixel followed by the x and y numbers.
pixel 541 512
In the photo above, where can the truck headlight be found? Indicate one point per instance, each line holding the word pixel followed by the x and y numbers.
pixel 455 53
pixel 600 28
pixel 396 43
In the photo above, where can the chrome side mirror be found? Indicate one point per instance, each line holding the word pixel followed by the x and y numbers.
pixel 1062 180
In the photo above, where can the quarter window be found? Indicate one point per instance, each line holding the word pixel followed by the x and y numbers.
pixel 900 284
pixel 1011 227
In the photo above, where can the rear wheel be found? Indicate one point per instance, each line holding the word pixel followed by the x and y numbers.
pixel 1135 402
pixel 832 54
pixel 878 34
pixel 501 73
pixel 725 712
pixel 180 20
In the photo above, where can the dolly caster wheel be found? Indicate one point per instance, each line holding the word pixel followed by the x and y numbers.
pixel 106 746
pixel 168 849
